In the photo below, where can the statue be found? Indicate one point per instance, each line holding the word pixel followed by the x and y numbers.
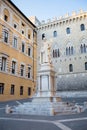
pixel 45 53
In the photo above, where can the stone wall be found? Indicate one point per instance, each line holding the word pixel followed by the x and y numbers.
pixel 72 82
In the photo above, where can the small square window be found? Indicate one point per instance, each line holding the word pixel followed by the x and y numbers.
pixel 15 26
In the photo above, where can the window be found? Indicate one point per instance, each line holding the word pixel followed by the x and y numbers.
pixel 1 88
pixel 15 25
pixel 6 18
pixel 6 15
pixel 43 36
pixel 69 51
pixel 29 51
pixel 56 53
pixel 29 91
pixel 28 36
pixel 70 68
pixel 82 27
pixel 3 64
pixel 68 30
pixel 22 70
pixel 23 47
pixel 55 34
pixel 13 67
pixel 83 48
pixel 85 65
pixel 21 90
pixel 12 89
pixel 5 36
pixel 15 42
pixel 22 31
pixel 29 72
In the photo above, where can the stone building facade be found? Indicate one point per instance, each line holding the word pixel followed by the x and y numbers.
pixel 18 53
pixel 67 38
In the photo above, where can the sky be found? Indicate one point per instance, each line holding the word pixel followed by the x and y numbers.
pixel 45 9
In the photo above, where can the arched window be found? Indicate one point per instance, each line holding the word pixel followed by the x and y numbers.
pixel 43 36
pixel 58 53
pixel 53 53
pixel 68 30
pixel 72 50
pixel 55 34
pixel 82 27
pixel 70 68
pixel 81 48
pixel 67 51
pixel 84 48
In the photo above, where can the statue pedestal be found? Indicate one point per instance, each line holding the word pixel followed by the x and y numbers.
pixel 45 101
pixel 46 81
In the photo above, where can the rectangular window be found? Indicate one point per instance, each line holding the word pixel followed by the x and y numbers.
pixel 29 51
pixel 13 67
pixel 12 89
pixel 29 91
pixel 6 36
pixel 3 64
pixel 21 90
pixel 1 88
pixel 22 70
pixel 29 72
pixel 23 47
pixel 85 65
pixel 70 68
pixel 15 42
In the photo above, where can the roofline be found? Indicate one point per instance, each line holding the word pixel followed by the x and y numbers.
pixel 20 12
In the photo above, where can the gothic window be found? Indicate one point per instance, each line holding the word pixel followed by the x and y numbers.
pixel 72 50
pixel 56 53
pixel 21 90
pixel 85 65
pixel 3 64
pixel 13 67
pixel 82 27
pixel 69 50
pixel 12 89
pixel 83 48
pixel 55 34
pixel 43 36
pixel 1 88
pixel 70 68
pixel 29 91
pixel 53 53
pixel 5 36
pixel 68 30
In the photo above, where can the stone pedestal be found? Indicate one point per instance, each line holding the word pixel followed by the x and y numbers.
pixel 45 101
pixel 46 81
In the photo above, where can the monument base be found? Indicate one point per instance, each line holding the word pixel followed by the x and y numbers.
pixel 47 106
